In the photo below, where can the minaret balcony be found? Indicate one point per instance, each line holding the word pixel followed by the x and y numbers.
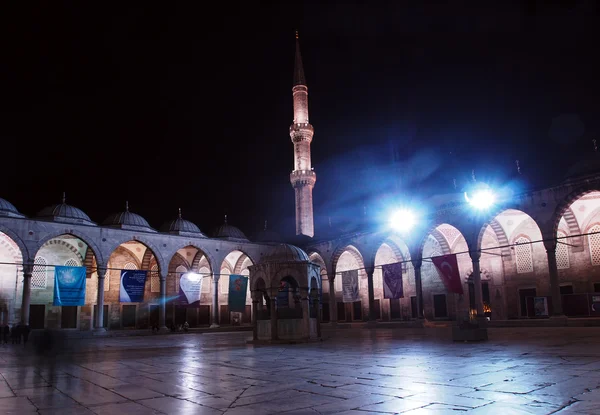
pixel 303 178
pixel 302 128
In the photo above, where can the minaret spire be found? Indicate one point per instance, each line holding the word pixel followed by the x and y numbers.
pixel 303 177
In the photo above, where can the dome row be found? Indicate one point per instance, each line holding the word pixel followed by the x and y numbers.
pixel 132 221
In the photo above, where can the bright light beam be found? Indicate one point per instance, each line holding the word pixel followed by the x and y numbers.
pixel 481 199
pixel 403 220
pixel 192 276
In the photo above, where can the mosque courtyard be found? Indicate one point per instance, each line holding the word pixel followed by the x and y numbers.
pixel 356 371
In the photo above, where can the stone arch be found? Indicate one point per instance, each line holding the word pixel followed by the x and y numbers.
pixel 100 260
pixel 286 272
pixel 566 203
pixel 356 254
pixel 503 237
pixel 242 264
pixel 13 251
pixel 244 253
pixel 197 262
pixel 574 231
pixel 19 242
pixel 417 251
pixel 67 245
pixel 500 235
pixel 163 266
pixel 257 278
pixel 444 245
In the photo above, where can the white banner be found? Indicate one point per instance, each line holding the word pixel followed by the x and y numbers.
pixel 350 286
pixel 190 288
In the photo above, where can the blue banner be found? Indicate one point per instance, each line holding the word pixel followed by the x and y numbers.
pixel 238 284
pixel 69 285
pixel 132 286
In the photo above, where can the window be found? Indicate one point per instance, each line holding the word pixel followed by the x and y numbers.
pixel 562 252
pixel 594 242
pixel 154 279
pixel 39 274
pixel 130 265
pixel 523 255
pixel 71 263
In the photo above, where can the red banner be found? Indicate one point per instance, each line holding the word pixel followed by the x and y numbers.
pixel 448 271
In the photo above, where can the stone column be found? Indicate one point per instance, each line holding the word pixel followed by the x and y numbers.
pixel 557 309
pixel 26 300
pixel 371 289
pixel 476 276
pixel 162 308
pixel 305 311
pixel 418 285
pixel 274 335
pixel 317 305
pixel 332 299
pixel 215 301
pixel 254 316
pixel 101 271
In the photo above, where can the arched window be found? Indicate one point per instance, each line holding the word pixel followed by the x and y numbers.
pixel 154 279
pixel 224 281
pixel 594 242
pixel 206 280
pixel 562 252
pixel 71 263
pixel 523 255
pixel 130 265
pixel 40 271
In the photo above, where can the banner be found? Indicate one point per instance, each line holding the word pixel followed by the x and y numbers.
pixel 392 280
pixel 132 286
pixel 238 284
pixel 350 286
pixel 69 285
pixel 190 288
pixel 448 271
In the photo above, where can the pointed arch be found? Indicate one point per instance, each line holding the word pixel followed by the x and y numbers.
pixel 100 260
pixel 574 230
pixel 25 255
pixel 163 266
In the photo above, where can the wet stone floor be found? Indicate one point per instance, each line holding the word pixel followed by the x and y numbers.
pixel 358 371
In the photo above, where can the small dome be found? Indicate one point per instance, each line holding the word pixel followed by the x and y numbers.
pixel 226 231
pixel 267 235
pixel 128 220
pixel 7 209
pixel 285 253
pixel 181 226
pixel 64 213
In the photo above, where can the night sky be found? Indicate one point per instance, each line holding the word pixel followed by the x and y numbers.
pixel 172 105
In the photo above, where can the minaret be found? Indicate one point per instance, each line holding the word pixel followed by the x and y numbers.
pixel 303 177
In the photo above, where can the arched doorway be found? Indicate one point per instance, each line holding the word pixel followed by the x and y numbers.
pixel 131 255
pixel 394 250
pixel 11 277
pixel 514 265
pixel 236 262
pixel 328 298
pixel 68 251
pixel 439 304
pixel 350 258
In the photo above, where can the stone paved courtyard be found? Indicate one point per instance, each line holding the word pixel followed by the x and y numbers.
pixel 362 371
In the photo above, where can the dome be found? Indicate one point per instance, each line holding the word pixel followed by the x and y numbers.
pixel 64 213
pixel 285 253
pixel 181 226
pixel 226 231
pixel 9 210
pixel 128 220
pixel 267 235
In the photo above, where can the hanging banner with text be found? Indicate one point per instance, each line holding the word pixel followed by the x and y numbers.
pixel 190 289
pixel 238 284
pixel 392 280
pixel 448 272
pixel 69 286
pixel 132 286
pixel 350 286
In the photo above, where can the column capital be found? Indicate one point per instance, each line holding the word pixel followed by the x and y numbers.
pixel 417 262
pixel 162 275
pixel 101 271
pixel 216 277
pixel 550 245
pixel 475 255
pixel 27 269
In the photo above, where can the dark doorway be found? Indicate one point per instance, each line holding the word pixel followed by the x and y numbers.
pixel 523 295
pixel 37 313
pixel 104 315
pixel 325 313
pixel 440 308
pixel 247 316
pixel 377 310
pixel 128 317
pixel 395 313
pixel 180 315
pixel 204 315
pixel 154 315
pixel 341 311
pixel 357 308
pixel 224 314
pixel 68 317
pixel 413 307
